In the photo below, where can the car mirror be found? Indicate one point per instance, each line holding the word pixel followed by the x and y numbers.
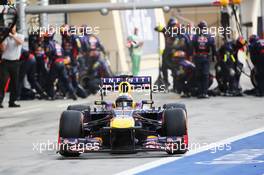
pixel 149 102
pixel 100 102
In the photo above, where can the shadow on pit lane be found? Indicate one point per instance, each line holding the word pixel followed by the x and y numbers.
pixel 117 156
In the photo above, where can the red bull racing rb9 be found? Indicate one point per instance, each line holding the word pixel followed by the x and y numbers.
pixel 123 126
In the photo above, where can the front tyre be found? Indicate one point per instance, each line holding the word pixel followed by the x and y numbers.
pixel 175 125
pixel 71 126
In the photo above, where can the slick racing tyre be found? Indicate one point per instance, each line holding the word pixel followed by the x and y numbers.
pixel 84 81
pixel 71 126
pixel 175 125
pixel 80 91
pixel 175 105
pixel 79 108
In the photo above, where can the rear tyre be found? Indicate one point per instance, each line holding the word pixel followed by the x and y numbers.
pixel 175 125
pixel 71 126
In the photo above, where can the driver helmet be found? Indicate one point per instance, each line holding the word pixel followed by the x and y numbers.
pixel 124 100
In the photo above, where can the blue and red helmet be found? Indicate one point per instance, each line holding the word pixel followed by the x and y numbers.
pixel 202 24
pixel 253 39
pixel 172 22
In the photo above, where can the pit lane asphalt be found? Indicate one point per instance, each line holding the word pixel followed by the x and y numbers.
pixel 210 120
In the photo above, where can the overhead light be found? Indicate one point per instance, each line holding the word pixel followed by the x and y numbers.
pixel 104 11
pixel 166 9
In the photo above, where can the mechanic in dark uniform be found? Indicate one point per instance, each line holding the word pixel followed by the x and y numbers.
pixel 71 45
pixel 226 68
pixel 203 43
pixel 253 51
pixel 35 39
pixel 83 39
pixel 42 69
pixel 257 57
pixel 89 43
pixel 28 68
pixel 57 63
pixel 97 69
pixel 36 47
pixel 169 40
pixel 180 53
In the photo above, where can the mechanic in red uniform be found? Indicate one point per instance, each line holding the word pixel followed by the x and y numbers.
pixel 257 57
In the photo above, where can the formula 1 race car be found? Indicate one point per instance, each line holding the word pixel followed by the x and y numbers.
pixel 124 126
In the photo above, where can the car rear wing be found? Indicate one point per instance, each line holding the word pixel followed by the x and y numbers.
pixel 126 83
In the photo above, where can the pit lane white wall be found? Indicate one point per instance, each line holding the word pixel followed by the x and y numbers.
pixel 250 11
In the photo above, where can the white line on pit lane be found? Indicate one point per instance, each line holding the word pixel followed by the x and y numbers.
pixel 162 161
